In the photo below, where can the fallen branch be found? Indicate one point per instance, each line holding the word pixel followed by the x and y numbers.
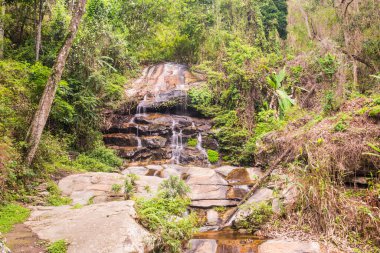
pixel 231 217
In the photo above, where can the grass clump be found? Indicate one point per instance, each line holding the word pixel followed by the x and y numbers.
pixel 213 156
pixel 129 185
pixel 11 214
pixel 116 188
pixel 55 198
pixel 57 247
pixel 192 142
pixel 164 215
pixel 100 159
pixel 259 214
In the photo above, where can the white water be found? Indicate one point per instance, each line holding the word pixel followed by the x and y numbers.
pixel 177 144
pixel 199 145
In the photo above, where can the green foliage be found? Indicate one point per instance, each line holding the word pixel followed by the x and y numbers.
pixel 173 187
pixel 129 185
pixel 54 198
pixel 192 142
pixel 165 218
pixel 59 246
pixel 330 103
pixel 328 65
pixel 259 214
pixel 99 159
pixel 284 100
pixel 213 156
pixel 374 112
pixel 116 188
pixel 11 214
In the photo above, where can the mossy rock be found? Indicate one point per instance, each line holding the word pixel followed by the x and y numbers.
pixel 374 112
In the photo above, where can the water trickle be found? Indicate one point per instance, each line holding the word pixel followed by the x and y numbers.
pixel 199 145
pixel 176 144
pixel 139 145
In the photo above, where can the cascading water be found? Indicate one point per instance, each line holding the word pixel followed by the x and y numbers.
pixel 177 144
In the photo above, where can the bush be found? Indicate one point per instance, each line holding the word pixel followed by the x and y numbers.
pixel 11 214
pixel 213 156
pixel 99 159
pixel 173 187
pixel 57 247
pixel 259 214
pixel 165 218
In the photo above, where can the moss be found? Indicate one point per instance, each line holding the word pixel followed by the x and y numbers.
pixel 192 142
pixel 57 247
pixel 11 214
pixel 213 156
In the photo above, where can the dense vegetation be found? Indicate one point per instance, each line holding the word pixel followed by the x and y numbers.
pixel 265 70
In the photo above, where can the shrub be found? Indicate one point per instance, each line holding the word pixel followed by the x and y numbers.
pixel 11 214
pixel 100 159
pixel 192 142
pixel 173 187
pixel 57 247
pixel 328 65
pixel 213 156
pixel 259 214
pixel 129 185
pixel 165 218
pixel 116 188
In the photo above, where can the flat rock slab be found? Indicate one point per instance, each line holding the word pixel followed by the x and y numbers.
pixel 213 203
pixel 95 186
pixel 102 228
pixel 281 246
pixel 147 186
pixel 202 246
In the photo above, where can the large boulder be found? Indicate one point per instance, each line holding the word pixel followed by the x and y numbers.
pixel 281 246
pixel 102 228
pixel 94 186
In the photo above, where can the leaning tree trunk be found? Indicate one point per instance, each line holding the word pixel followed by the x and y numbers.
pixel 44 107
pixel 39 29
pixel 2 6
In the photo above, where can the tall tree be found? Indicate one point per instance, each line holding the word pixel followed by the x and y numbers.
pixel 40 117
pixel 2 17
pixel 39 18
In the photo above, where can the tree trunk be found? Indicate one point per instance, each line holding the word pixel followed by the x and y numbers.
pixel 44 107
pixel 39 29
pixel 2 6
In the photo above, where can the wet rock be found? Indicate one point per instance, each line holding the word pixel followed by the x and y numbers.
pixel 212 217
pixel 202 246
pixel 120 139
pixel 137 170
pixel 114 223
pixel 96 186
pixel 153 141
pixel 280 246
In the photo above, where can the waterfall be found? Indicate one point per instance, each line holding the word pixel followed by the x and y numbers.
pixel 201 149
pixel 141 108
pixel 139 145
pixel 177 144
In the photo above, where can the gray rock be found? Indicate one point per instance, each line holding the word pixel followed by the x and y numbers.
pixel 225 170
pixel 202 246
pixel 4 248
pixel 92 185
pixel 138 170
pixel 212 217
pixel 147 187
pixel 206 176
pixel 263 194
pixel 102 228
pixel 153 141
pixel 204 192
pixel 281 246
